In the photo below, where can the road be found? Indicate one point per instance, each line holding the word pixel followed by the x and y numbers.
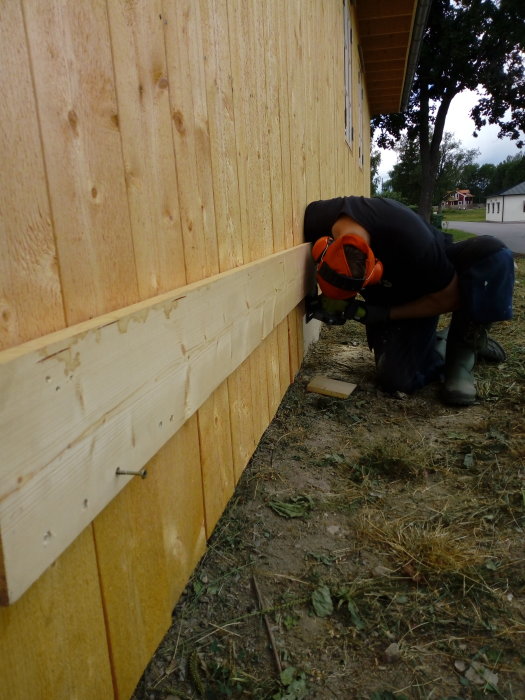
pixel 513 235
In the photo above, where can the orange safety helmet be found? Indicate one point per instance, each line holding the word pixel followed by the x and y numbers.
pixel 334 274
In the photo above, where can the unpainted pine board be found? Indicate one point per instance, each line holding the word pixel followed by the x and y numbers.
pixel 144 118
pixel 328 94
pixel 241 116
pixel 313 37
pixel 271 346
pixel 261 409
pixel 296 60
pixel 77 404
pixel 148 541
pixel 250 114
pixel 274 74
pixel 219 96
pixel 181 505
pixel 321 384
pixel 218 474
pixel 295 342
pixel 241 416
pixel 73 76
pixel 260 191
pixel 249 103
pixel 284 356
pixel 297 319
pixel 53 640
pixel 187 91
pixel 28 265
pixel 259 183
pixel 279 19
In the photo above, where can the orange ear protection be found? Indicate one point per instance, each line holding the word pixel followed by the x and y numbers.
pixel 334 274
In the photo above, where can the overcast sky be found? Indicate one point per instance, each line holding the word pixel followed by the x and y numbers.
pixel 492 149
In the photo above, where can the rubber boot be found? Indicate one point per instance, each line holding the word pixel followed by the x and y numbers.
pixel 491 351
pixel 465 339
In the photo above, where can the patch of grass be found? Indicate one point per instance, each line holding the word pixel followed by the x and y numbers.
pixel 477 214
pixel 422 548
pixel 458 235
pixel 396 458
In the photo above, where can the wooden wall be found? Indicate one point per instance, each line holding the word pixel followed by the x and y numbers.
pixel 146 145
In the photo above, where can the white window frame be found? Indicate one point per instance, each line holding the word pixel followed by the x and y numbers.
pixel 348 47
pixel 360 154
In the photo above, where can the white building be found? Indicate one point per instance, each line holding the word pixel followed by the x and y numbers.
pixel 507 206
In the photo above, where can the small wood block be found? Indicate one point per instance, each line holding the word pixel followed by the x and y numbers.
pixel 330 387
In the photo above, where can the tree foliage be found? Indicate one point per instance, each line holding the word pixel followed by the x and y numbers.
pixel 375 162
pixel 468 45
pixel 486 180
pixel 405 177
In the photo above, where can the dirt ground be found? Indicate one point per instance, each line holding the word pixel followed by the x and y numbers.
pixel 374 548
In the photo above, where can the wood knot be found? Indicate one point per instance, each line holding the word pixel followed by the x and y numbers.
pixel 179 121
pixel 73 120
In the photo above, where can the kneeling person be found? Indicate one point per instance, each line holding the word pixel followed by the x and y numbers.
pixel 408 274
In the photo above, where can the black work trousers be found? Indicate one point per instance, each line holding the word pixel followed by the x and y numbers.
pixel 405 353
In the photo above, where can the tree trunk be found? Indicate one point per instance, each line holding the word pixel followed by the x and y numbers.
pixel 429 146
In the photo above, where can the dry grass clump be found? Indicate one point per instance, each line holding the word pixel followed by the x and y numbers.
pixel 429 547
pixel 395 458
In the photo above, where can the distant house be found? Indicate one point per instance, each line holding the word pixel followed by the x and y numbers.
pixel 460 199
pixel 508 205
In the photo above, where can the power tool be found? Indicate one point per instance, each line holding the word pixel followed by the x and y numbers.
pixel 333 312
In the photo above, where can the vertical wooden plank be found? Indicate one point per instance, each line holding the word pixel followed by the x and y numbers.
pixel 185 29
pixel 261 243
pixel 273 373
pixel 52 641
pixel 241 410
pixel 296 58
pixel 278 15
pixel 148 541
pixel 313 35
pixel 28 265
pixel 284 356
pixel 137 39
pixel 250 113
pixel 261 410
pixel 151 536
pixel 328 95
pixel 79 124
pixel 219 96
pixel 218 474
pixel 185 60
pixel 224 168
pixel 274 74
pixel 294 342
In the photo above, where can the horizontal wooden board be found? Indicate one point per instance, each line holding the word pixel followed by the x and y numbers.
pixel 108 393
pixel 330 387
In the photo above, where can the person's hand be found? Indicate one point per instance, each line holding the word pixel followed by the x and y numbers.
pixel 365 313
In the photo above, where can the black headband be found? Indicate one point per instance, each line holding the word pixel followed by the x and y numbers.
pixel 336 279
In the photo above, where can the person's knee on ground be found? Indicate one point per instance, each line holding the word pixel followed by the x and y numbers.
pixel 405 355
pixel 466 340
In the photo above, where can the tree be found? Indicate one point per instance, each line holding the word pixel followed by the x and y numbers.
pixel 375 180
pixel 451 166
pixel 468 45
pixel 405 176
pixel 478 179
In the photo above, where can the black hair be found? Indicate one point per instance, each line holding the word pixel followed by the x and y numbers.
pixel 356 260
